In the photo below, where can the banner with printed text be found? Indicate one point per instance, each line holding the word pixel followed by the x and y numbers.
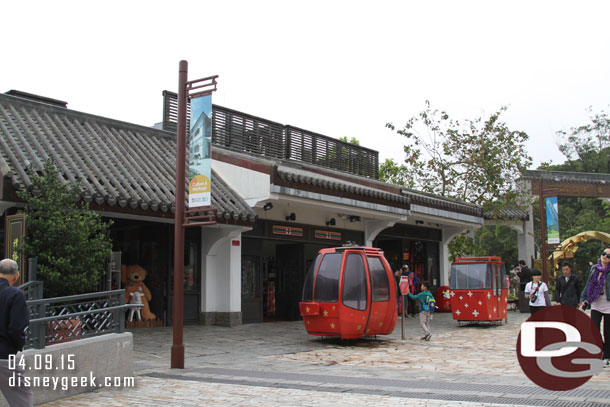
pixel 552 220
pixel 200 152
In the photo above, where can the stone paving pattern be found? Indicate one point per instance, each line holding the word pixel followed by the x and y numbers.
pixel 278 364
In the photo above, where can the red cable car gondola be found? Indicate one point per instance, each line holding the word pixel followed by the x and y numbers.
pixel 349 292
pixel 479 290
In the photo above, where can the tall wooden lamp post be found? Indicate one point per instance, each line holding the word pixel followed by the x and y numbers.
pixel 194 216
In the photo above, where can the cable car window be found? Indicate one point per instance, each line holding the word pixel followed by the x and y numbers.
pixel 308 285
pixel 354 282
pixel 327 279
pixel 505 281
pixel 498 290
pixel 470 276
pixel 379 278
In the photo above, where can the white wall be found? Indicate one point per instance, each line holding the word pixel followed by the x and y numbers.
pixel 221 271
pixel 252 186
pixel 445 264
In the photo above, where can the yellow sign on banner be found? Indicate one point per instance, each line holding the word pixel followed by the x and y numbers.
pixel 199 186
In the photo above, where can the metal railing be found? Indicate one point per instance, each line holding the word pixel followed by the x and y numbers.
pixel 63 319
pixel 243 132
pixel 32 290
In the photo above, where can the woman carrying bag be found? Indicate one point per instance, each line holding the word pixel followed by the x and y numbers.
pixel 596 296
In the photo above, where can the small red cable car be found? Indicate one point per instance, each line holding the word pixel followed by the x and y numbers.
pixel 349 292
pixel 479 290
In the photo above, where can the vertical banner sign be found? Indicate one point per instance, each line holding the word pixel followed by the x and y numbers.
pixel 200 154
pixel 552 220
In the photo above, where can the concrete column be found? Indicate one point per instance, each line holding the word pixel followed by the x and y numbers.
pixel 525 239
pixel 373 227
pixel 445 264
pixel 221 276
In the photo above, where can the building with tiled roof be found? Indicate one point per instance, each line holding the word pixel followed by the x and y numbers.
pixel 280 193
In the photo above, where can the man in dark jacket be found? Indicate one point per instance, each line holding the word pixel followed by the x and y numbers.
pixel 567 287
pixel 525 276
pixel 13 321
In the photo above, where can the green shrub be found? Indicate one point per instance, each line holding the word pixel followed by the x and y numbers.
pixel 70 241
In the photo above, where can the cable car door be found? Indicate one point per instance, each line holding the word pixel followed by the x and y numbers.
pixel 383 301
pixel 496 290
pixel 355 299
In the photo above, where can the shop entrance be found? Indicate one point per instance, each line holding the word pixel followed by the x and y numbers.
pixel 290 277
pixel 251 288
pixel 273 272
pixel 417 247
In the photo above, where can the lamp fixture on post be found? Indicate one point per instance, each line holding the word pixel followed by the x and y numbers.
pixel 268 206
pixel 331 222
pixel 354 218
pixel 292 216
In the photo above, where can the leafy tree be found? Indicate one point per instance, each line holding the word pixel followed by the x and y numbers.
pixel 587 147
pixel 70 241
pixel 390 171
pixel 475 160
pixel 489 240
pixel 463 245
pixel 353 140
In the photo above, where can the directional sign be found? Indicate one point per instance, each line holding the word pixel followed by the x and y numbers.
pixel 404 285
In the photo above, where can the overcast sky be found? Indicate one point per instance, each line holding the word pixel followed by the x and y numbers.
pixel 333 67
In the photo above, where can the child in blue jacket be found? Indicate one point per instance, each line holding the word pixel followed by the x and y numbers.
pixel 424 313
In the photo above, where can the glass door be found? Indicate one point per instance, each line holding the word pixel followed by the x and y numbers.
pixel 251 289
pixel 191 281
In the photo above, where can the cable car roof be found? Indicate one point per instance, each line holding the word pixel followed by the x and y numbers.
pixel 487 259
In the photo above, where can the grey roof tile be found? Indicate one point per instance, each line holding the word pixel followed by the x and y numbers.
pixel 302 176
pixel 118 163
pixel 567 177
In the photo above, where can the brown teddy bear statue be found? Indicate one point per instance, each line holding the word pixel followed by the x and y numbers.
pixel 133 280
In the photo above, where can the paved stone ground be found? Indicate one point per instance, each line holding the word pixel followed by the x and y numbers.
pixel 278 364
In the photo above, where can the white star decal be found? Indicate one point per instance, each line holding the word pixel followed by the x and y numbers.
pixel 506 299
pixel 475 313
pixel 480 303
pixel 489 316
pixel 470 294
pixel 452 293
pixel 488 295
pixel 466 305
pixel 461 298
pixel 457 312
pixel 494 309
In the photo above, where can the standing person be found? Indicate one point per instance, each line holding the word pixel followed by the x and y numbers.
pixel 536 291
pixel 424 313
pixel 397 275
pixel 412 304
pixel 13 321
pixel 597 294
pixel 525 276
pixel 567 287
pixel 404 271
